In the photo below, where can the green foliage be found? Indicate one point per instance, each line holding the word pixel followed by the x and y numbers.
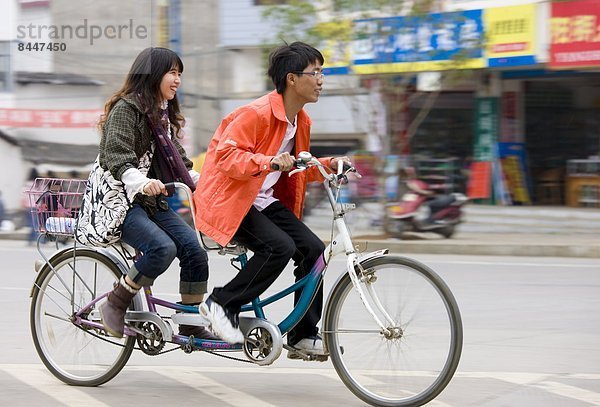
pixel 294 20
pixel 314 22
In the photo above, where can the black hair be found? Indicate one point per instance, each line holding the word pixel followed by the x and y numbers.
pixel 291 58
pixel 143 81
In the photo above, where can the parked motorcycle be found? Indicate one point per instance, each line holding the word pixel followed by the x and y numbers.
pixel 421 209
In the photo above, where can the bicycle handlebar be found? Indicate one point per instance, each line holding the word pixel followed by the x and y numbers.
pixel 170 187
pixel 306 160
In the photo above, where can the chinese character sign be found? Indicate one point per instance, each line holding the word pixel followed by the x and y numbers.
pixel 425 43
pixel 510 35
pixel 49 118
pixel 575 34
pixel 486 131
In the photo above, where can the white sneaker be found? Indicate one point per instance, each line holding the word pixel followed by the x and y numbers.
pixel 313 345
pixel 223 323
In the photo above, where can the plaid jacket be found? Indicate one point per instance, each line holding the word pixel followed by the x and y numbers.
pixel 127 137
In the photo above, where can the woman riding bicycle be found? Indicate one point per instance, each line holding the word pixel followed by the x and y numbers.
pixel 138 119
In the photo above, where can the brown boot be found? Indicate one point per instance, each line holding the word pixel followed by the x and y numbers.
pixel 113 310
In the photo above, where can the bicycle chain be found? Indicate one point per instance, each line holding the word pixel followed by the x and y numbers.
pixel 164 351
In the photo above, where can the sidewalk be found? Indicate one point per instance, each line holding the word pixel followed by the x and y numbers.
pixel 487 230
pixel 492 244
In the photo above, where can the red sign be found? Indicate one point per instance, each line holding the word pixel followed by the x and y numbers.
pixel 575 34
pixel 479 186
pixel 49 118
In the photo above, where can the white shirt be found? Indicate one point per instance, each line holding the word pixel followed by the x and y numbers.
pixel 265 195
pixel 135 179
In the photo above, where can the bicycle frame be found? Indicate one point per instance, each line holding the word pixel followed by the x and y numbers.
pixel 342 243
pixel 309 285
pixel 73 281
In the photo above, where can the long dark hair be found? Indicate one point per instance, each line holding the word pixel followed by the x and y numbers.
pixel 143 82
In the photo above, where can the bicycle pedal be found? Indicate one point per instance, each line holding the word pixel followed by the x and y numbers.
pixel 297 354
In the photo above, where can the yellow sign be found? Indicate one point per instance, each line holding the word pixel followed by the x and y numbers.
pixel 516 180
pixel 510 35
pixel 420 66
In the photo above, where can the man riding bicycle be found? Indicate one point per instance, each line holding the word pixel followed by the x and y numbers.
pixel 242 194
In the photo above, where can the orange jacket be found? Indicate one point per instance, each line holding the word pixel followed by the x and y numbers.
pixel 238 160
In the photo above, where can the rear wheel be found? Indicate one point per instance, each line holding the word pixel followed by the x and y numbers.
pixel 413 360
pixel 74 352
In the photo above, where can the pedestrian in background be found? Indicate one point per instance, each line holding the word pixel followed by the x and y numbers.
pixel 2 211
pixel 26 206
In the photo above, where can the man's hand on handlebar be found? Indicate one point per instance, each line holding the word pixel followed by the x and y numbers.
pixel 283 162
pixel 334 162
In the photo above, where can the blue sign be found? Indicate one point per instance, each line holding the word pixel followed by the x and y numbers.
pixel 428 40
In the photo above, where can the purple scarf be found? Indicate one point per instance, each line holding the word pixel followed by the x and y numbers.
pixel 170 162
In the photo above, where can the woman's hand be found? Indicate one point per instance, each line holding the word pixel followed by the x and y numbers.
pixel 154 187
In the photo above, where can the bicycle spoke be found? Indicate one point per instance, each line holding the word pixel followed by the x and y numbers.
pixel 410 362
pixel 80 357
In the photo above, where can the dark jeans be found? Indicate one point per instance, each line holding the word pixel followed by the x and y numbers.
pixel 275 236
pixel 161 238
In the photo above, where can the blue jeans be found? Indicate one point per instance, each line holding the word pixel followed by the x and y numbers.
pixel 162 237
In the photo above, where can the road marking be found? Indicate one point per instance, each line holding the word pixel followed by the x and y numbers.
pixel 206 385
pixel 585 376
pixel 37 377
pixel 505 264
pixel 15 288
pixel 572 392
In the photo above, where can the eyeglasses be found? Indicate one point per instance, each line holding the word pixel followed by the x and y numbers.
pixel 315 74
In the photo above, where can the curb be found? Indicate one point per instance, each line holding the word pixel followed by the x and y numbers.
pixel 482 249
pixel 464 243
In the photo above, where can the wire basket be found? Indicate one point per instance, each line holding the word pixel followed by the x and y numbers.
pixel 55 204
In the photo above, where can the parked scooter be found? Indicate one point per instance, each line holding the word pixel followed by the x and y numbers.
pixel 421 209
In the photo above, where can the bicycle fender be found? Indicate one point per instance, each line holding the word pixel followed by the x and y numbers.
pixel 137 301
pixel 361 260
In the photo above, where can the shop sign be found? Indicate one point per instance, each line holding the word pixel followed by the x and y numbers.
pixel 513 157
pixel 49 118
pixel 337 55
pixel 510 126
pixel 479 184
pixel 434 42
pixel 575 34
pixel 510 35
pixel 486 128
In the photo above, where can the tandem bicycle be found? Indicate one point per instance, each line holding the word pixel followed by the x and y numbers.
pixel 391 326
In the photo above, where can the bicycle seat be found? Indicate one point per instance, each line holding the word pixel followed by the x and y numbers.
pixel 232 248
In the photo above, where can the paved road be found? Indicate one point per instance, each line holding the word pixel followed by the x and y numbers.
pixel 531 334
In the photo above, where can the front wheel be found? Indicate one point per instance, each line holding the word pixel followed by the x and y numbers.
pixel 74 352
pixel 413 360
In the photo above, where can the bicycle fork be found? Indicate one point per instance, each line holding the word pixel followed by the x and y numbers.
pixel 343 244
